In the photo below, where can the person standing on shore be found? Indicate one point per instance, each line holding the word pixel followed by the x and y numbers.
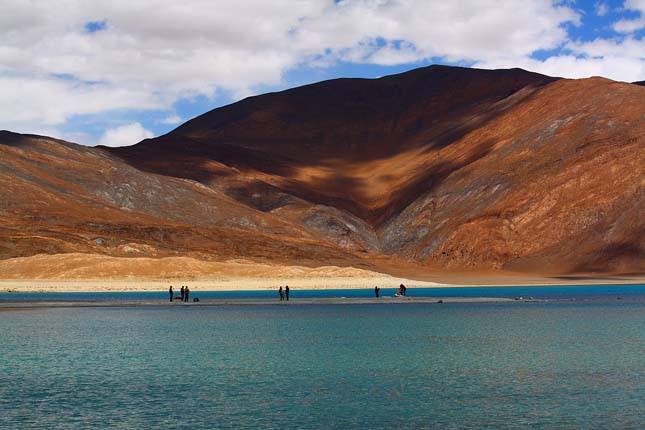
pixel 281 293
pixel 377 291
pixel 286 292
pixel 186 293
pixel 170 292
pixel 181 292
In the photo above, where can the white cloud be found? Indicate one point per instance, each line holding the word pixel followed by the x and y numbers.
pixel 638 5
pixel 621 58
pixel 629 25
pixel 570 66
pixel 152 53
pixel 459 31
pixel 601 8
pixel 52 101
pixel 635 24
pixel 125 135
pixel 628 47
pixel 171 119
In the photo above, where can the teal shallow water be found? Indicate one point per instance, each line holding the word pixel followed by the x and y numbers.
pixel 462 366
pixel 552 292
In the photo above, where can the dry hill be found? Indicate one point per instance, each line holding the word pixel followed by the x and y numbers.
pixel 439 168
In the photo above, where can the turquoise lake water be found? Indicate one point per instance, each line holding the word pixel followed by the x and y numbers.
pixel 577 292
pixel 557 365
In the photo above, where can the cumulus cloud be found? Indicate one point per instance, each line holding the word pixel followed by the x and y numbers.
pixel 90 57
pixel 125 135
pixel 195 46
pixel 638 5
pixel 62 58
pixel 629 25
pixel 601 8
pixel 459 31
pixel 171 119
pixel 634 24
pixel 571 66
pixel 51 101
pixel 629 47
pixel 620 58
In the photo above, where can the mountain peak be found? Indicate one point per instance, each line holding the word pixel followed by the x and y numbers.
pixel 442 168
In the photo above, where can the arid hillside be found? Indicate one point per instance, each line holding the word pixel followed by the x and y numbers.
pixel 59 197
pixel 436 169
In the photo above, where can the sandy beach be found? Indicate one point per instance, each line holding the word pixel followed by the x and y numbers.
pixel 205 284
pixel 18 305
pixel 249 283
pixel 77 272
pixel 83 272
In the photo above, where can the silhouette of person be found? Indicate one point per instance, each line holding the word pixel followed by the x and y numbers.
pixel 186 293
pixel 281 293
pixel 170 292
pixel 402 289
pixel 182 292
pixel 286 292
pixel 377 290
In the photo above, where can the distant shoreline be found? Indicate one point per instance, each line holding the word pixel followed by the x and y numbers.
pixel 302 283
pixel 76 272
pixel 161 303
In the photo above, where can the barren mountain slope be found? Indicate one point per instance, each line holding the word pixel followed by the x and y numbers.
pixel 454 168
pixel 327 142
pixel 561 188
pixel 435 169
pixel 59 197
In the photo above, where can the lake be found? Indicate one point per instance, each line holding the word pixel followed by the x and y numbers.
pixel 549 365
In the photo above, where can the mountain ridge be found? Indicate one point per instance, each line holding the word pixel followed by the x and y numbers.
pixel 233 142
pixel 437 168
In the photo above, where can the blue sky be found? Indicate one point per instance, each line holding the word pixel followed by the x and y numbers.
pixel 117 72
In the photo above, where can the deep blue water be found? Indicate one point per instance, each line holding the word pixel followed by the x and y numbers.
pixel 550 365
pixel 538 292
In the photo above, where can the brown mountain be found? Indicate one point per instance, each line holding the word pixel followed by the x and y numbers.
pixel 59 197
pixel 439 168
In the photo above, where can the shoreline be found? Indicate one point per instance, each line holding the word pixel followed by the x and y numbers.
pixel 241 284
pixel 304 283
pixel 78 272
pixel 207 303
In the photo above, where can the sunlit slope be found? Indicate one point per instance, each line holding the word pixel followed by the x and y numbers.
pixel 451 167
pixel 438 168
pixel 59 197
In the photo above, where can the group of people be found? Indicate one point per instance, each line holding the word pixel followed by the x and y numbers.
pixel 284 293
pixel 403 290
pixel 184 293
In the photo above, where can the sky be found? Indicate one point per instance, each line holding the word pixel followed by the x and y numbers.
pixel 116 72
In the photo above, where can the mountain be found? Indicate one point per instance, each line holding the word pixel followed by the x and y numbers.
pixel 324 142
pixel 642 83
pixel 439 168
pixel 59 197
